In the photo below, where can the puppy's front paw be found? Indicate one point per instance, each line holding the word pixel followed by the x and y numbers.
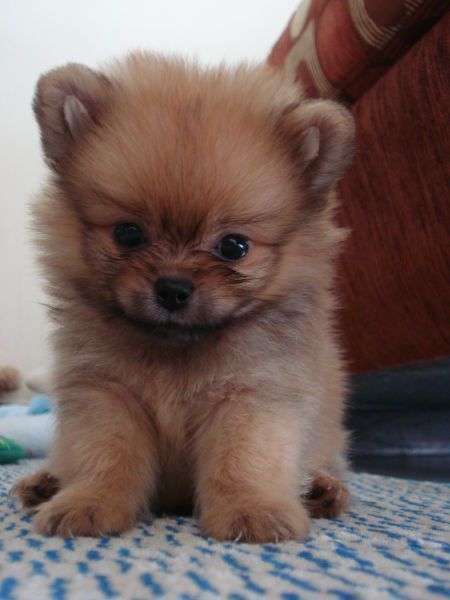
pixel 256 522
pixel 35 489
pixel 327 497
pixel 72 513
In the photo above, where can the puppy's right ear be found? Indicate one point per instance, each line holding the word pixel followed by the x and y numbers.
pixel 320 134
pixel 67 103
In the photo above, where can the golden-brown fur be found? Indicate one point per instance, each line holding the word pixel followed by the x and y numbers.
pixel 234 404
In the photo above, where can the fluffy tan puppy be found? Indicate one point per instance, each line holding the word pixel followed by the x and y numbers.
pixel 187 241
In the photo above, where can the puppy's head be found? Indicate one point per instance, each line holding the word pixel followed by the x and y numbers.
pixel 184 194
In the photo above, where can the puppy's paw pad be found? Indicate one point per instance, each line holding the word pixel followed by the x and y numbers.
pixel 275 522
pixel 69 517
pixel 327 497
pixel 35 489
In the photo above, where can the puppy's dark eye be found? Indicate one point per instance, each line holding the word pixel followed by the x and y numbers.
pixel 128 235
pixel 232 247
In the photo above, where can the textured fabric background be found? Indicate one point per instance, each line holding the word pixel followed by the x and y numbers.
pixel 394 543
pixel 394 273
pixel 393 277
pixel 339 48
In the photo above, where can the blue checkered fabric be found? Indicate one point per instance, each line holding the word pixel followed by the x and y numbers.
pixel 394 543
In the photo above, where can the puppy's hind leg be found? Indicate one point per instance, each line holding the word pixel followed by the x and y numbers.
pixel 327 497
pixel 35 489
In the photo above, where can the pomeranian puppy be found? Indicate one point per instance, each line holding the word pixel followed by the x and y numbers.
pixel 187 239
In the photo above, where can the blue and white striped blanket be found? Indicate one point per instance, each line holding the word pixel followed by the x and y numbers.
pixel 394 543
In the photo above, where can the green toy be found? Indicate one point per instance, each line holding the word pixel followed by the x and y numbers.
pixel 10 451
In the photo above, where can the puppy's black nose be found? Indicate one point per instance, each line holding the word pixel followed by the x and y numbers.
pixel 173 294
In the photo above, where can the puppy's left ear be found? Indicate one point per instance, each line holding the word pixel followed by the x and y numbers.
pixel 321 136
pixel 67 104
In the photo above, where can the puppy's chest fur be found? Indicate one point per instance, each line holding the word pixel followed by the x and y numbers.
pixel 181 409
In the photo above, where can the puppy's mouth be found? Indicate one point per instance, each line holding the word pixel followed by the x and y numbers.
pixel 169 330
pixel 178 332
